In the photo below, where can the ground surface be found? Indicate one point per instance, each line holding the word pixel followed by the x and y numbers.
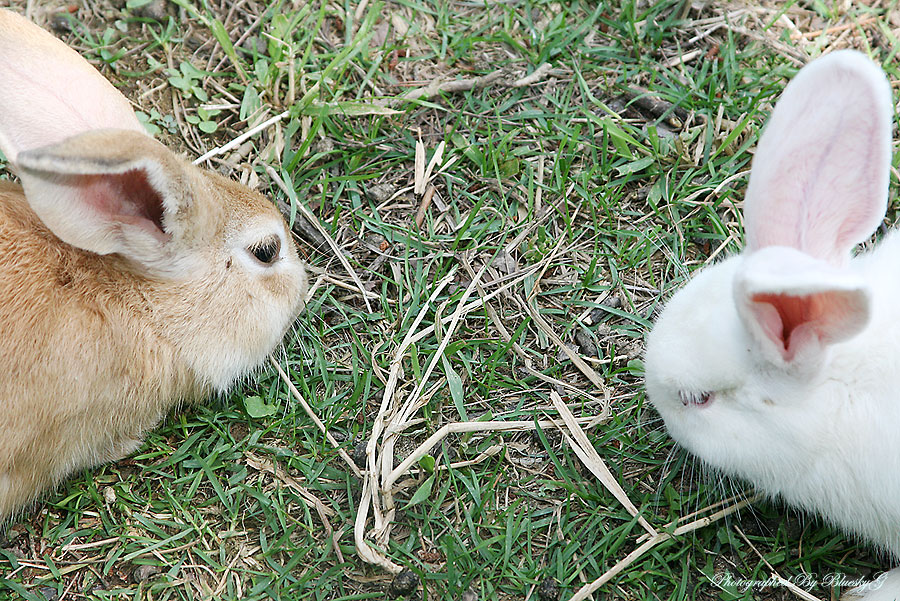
pixel 510 280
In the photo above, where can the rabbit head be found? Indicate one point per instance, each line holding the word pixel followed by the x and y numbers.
pixel 762 364
pixel 233 282
pixel 130 280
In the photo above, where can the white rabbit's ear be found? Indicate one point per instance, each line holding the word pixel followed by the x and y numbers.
pixel 111 191
pixel 50 92
pixel 820 175
pixel 794 306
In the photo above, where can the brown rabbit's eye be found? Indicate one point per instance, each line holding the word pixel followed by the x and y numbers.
pixel 267 250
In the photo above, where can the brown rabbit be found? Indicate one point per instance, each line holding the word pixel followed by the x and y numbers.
pixel 130 280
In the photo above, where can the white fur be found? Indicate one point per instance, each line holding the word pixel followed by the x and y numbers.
pixel 809 413
pixel 883 588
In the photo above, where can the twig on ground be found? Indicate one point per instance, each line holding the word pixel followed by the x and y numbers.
pixel 658 107
pixel 327 277
pixel 587 590
pixel 423 206
pixel 592 460
pixel 806 596
pixel 792 54
pixel 456 85
pixel 304 229
pixel 539 188
pixel 410 406
pixel 270 467
pixel 466 427
pixel 223 581
pixel 808 35
pixel 464 85
pixel 312 415
pixel 241 138
pixel 436 160
pixel 390 420
pixel 683 59
pixel 534 77
pixel 368 498
pixel 574 357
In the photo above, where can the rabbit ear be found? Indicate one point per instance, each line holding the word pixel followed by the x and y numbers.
pixel 820 175
pixel 50 92
pixel 110 191
pixel 794 305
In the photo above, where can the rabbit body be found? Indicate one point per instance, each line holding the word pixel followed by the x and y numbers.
pixel 130 280
pixel 66 312
pixel 781 365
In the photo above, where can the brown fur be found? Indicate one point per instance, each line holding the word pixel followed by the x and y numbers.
pixel 94 353
pixel 67 312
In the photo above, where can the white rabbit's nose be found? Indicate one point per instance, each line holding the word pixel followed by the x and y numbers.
pixel 697 399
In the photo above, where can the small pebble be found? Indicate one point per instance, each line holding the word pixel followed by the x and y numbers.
pixel 404 584
pixel 359 454
pixel 239 431
pixel 548 590
pixel 255 43
pixel 323 146
pixel 585 343
pixel 158 10
pixel 143 573
pixel 48 593
pixel 380 192
pixel 61 22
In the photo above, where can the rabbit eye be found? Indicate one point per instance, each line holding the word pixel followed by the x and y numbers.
pixel 267 250
pixel 697 399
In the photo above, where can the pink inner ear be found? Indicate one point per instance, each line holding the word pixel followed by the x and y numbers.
pixel 819 181
pixel 792 322
pixel 125 197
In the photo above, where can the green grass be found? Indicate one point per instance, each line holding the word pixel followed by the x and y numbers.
pixel 628 203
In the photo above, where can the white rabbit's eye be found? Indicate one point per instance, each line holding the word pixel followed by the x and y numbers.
pixel 697 399
pixel 266 251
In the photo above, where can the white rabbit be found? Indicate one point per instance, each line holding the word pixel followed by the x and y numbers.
pixel 130 281
pixel 781 365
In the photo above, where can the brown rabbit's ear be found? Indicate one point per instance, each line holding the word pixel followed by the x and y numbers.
pixel 110 191
pixel 50 92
